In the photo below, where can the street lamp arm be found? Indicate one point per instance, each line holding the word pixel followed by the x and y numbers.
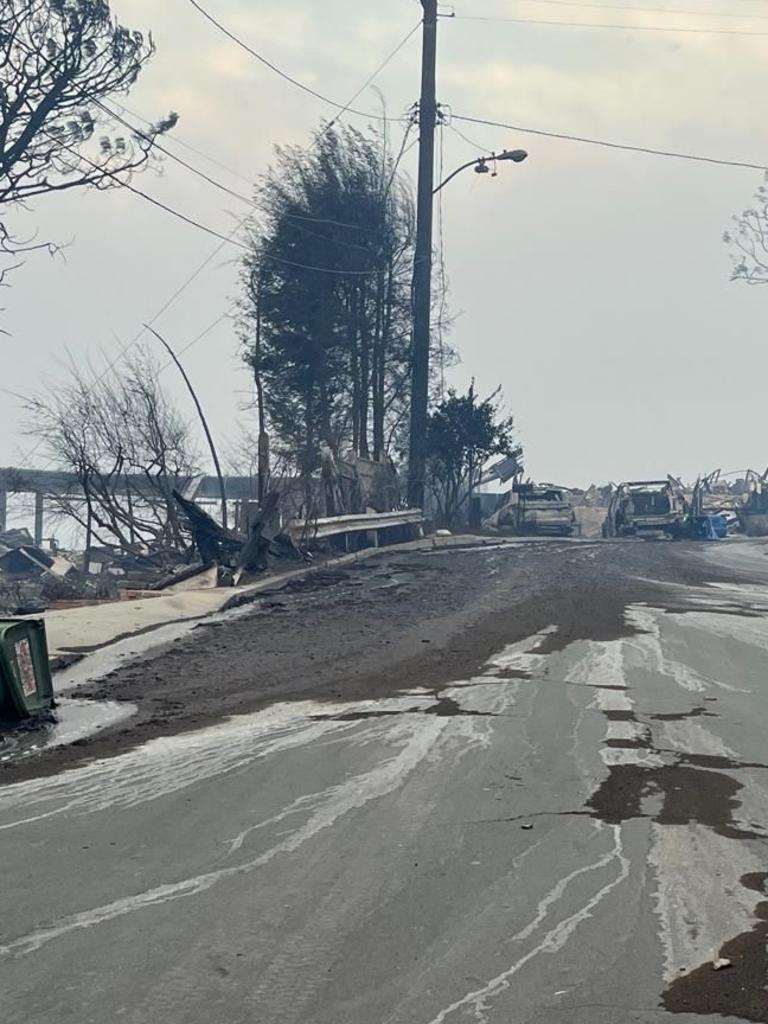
pixel 470 163
pixel 481 164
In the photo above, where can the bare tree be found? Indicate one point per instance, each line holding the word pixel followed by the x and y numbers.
pixel 126 447
pixel 59 59
pixel 749 240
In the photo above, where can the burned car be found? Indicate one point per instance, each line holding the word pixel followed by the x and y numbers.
pixel 540 509
pixel 647 507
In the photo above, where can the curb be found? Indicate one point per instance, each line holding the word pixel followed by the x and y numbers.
pixel 237 597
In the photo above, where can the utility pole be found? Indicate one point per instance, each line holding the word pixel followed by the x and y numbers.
pixel 422 269
pixel 263 449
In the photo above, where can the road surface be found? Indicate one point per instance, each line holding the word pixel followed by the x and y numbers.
pixel 568 826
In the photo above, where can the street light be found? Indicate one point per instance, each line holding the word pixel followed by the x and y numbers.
pixel 481 164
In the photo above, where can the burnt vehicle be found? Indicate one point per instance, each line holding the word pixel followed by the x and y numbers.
pixel 752 510
pixel 647 508
pixel 540 509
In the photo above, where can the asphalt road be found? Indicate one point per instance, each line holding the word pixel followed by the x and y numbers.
pixel 571 831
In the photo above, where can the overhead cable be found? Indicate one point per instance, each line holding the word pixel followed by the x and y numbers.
pixel 346 108
pixel 698 158
pixel 647 10
pixel 615 27
pixel 203 227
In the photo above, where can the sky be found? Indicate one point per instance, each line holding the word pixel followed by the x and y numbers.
pixel 590 284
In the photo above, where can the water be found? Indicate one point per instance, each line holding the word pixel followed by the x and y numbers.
pixel 72 720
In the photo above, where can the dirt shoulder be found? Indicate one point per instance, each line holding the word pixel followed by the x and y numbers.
pixel 403 619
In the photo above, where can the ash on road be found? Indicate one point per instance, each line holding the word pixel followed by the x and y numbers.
pixel 522 783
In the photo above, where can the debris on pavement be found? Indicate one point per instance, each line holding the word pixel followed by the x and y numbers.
pixel 721 963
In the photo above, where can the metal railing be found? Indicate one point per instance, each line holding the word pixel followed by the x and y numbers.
pixel 334 526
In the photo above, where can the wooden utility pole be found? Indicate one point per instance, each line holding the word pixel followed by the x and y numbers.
pixel 422 269
pixel 263 443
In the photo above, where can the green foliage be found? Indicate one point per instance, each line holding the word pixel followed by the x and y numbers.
pixel 462 435
pixel 326 307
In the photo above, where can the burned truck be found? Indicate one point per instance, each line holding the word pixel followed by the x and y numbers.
pixel 753 507
pixel 647 508
pixel 539 509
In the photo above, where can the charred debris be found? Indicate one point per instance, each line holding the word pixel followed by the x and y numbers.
pixel 711 509
pixel 289 528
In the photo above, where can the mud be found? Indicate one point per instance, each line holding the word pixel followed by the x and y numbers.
pixel 736 991
pixel 699 712
pixel 348 635
pixel 430 620
pixel 444 707
pixel 690 788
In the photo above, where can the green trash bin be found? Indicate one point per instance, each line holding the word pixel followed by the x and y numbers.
pixel 26 687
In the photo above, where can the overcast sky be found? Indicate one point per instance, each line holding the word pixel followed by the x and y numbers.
pixel 591 284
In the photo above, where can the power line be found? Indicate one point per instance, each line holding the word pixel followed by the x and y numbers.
pixel 319 270
pixel 344 108
pixel 166 305
pixel 465 138
pixel 614 145
pixel 173 156
pixel 622 28
pixel 404 148
pixel 224 240
pixel 441 257
pixel 225 188
pixel 646 10
pixel 179 141
pixel 375 74
pixel 156 202
pixel 182 288
pixel 203 227
pixel 237 195
pixel 199 337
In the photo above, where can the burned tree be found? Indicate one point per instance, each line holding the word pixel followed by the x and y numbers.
pixel 326 307
pixel 749 240
pixel 59 60
pixel 126 447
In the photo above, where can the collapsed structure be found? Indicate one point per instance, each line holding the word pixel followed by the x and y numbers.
pixel 349 503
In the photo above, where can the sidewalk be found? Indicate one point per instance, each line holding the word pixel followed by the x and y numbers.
pixel 75 632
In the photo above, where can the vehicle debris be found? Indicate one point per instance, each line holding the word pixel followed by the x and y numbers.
pixel 648 507
pixel 753 510
pixel 541 509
